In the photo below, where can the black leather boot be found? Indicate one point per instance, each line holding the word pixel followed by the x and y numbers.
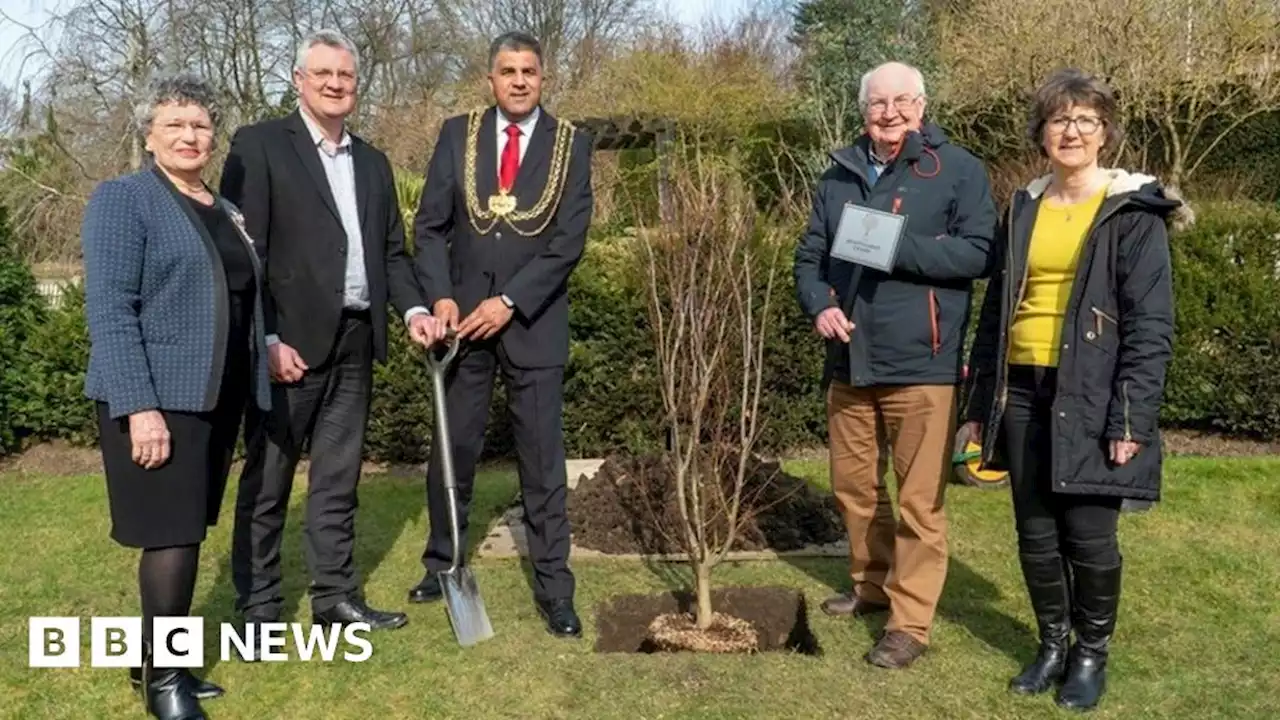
pixel 166 692
pixel 1095 601
pixel 1047 585
pixel 168 698
pixel 202 689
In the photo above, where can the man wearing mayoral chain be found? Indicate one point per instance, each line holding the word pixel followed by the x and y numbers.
pixel 500 227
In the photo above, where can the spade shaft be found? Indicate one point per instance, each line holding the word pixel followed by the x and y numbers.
pixel 461 595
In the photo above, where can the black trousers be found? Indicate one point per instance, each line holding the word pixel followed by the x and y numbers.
pixel 324 413
pixel 535 401
pixel 1079 528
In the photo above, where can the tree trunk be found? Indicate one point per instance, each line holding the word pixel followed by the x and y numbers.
pixel 702 586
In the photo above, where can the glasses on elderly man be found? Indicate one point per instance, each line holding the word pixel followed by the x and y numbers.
pixel 323 77
pixel 902 103
pixel 1085 124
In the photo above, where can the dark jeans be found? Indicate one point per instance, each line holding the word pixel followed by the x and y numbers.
pixel 1079 528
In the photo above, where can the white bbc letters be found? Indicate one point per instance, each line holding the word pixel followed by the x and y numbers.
pixel 115 642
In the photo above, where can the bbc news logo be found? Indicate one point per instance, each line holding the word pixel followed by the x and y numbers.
pixel 116 642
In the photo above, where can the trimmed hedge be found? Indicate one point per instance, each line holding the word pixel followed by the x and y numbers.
pixel 20 311
pixel 1222 377
pixel 1227 281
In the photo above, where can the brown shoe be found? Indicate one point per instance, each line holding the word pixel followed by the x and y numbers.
pixel 851 604
pixel 896 650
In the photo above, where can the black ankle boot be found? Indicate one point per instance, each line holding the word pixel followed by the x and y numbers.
pixel 201 689
pixel 1050 599
pixel 167 696
pixel 1095 601
pixel 167 692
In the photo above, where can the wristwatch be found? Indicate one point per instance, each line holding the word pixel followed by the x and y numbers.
pixel 507 301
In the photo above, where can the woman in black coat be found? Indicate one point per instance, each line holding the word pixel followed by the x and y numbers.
pixel 1067 375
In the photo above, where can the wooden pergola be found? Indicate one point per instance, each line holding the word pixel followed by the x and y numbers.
pixel 636 133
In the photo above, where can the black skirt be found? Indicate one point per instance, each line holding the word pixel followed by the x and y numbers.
pixel 175 504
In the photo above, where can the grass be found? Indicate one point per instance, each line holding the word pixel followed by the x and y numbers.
pixel 1198 636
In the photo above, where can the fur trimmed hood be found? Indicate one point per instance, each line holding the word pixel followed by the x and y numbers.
pixel 1141 189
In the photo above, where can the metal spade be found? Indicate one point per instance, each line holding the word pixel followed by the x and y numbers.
pixel 461 594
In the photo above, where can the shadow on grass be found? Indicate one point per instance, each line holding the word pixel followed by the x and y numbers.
pixel 968 600
pixel 388 503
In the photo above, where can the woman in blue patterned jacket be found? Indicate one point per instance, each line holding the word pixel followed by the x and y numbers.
pixel 172 293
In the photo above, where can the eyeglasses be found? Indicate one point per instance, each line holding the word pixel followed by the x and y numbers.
pixel 323 77
pixel 1085 124
pixel 178 128
pixel 902 103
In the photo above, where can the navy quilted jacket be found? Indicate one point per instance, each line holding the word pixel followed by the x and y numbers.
pixel 156 301
pixel 910 324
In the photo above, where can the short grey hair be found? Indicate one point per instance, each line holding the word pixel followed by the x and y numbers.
pixel 328 38
pixel 916 75
pixel 514 42
pixel 179 89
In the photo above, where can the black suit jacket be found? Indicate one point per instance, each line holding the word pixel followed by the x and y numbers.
pixel 454 261
pixel 275 176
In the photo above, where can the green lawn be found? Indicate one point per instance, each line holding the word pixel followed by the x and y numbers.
pixel 1198 636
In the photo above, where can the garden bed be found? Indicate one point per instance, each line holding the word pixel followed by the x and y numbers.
pixel 630 506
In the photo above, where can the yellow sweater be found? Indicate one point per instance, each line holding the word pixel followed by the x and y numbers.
pixel 1056 241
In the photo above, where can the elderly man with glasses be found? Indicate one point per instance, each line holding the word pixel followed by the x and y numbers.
pixel 902 224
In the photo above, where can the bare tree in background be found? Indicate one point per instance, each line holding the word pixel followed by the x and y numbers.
pixel 1195 70
pixel 575 34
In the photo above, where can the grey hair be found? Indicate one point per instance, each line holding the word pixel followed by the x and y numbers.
pixel 866 80
pixel 180 89
pixel 514 42
pixel 329 38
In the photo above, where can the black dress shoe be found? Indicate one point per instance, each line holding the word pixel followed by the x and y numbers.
pixel 562 621
pixel 356 611
pixel 201 689
pixel 428 590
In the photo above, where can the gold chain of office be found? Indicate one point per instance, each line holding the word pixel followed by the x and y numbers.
pixel 503 205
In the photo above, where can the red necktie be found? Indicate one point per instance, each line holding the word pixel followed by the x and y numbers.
pixel 510 159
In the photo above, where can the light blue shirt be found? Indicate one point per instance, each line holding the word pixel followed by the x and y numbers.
pixel 340 169
pixel 875 165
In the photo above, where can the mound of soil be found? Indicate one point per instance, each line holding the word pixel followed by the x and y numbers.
pixel 631 506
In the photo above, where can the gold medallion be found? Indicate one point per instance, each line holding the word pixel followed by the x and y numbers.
pixel 502 204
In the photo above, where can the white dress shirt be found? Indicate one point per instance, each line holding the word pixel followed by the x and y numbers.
pixel 526 130
pixel 339 168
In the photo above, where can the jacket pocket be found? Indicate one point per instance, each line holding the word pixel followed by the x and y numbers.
pixel 1103 330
